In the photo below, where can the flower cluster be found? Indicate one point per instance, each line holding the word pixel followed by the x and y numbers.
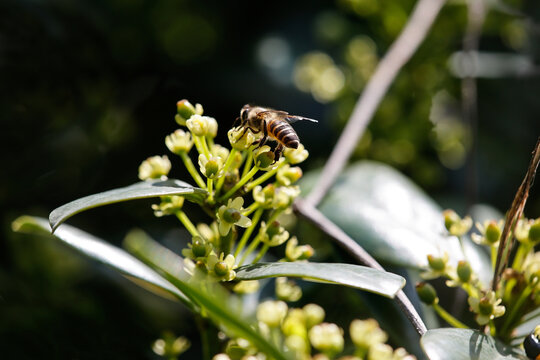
pixel 247 189
pixel 307 336
pixel 517 294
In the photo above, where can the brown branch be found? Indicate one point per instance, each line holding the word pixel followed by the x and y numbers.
pixel 399 53
pixel 309 212
pixel 515 212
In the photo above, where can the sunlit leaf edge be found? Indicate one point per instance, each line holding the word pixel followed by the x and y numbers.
pixel 360 277
pixel 98 249
pixel 140 190
pixel 465 344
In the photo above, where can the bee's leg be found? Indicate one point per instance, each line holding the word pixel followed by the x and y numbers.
pixel 262 141
pixel 277 152
pixel 249 128
pixel 236 121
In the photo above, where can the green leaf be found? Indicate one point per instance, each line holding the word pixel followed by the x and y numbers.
pixel 360 277
pixel 392 218
pixel 223 308
pixel 141 190
pixel 100 250
pixel 465 344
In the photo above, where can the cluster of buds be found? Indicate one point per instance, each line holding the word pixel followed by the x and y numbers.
pixel 247 173
pixel 307 336
pixel 519 290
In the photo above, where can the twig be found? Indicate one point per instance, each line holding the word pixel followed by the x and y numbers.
pixel 476 14
pixel 310 213
pixel 515 212
pixel 399 53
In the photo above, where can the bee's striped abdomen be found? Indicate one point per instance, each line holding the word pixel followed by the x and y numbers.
pixel 283 132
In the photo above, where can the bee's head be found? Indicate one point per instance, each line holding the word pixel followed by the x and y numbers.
pixel 244 112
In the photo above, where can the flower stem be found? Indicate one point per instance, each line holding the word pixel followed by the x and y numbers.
pixel 192 170
pixel 210 184
pixel 515 309
pixel 226 167
pixel 248 231
pixel 250 249
pixel 493 257
pixel 261 253
pixel 247 165
pixel 267 175
pixel 449 318
pixel 251 208
pixel 522 251
pixel 187 223
pixel 239 184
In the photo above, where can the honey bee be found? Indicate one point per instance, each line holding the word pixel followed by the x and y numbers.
pixel 275 124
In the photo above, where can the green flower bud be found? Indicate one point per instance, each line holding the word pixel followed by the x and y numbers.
pixel 534 232
pixel 169 205
pixel 271 312
pixel 427 293
pixel 246 287
pixel 211 167
pixel 154 167
pixel 493 232
pixel 464 271
pixel 485 306
pixel 294 324
pixel 314 314
pixel 221 268
pixel 450 218
pixel 185 110
pixel 199 248
pixel 298 345
pixel 231 215
pixel 436 263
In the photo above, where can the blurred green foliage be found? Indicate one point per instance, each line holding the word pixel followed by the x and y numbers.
pixel 88 89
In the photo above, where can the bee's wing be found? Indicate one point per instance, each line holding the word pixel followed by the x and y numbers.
pixel 282 115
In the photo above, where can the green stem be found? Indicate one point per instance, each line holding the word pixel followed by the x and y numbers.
pixel 247 165
pixel 267 175
pixel 449 318
pixel 210 184
pixel 493 257
pixel 198 144
pixel 192 170
pixel 203 331
pixel 187 223
pixel 250 249
pixel 261 253
pixel 522 251
pixel 239 184
pixel 274 216
pixel 251 208
pixel 226 167
pixel 248 232
pixel 515 309
pixel 205 147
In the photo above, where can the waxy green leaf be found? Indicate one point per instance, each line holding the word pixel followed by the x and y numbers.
pixel 466 344
pixel 104 252
pixel 141 190
pixel 392 218
pixel 360 277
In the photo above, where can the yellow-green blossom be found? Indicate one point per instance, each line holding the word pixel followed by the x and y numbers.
pixel 287 290
pixel 490 233
pixel 185 110
pixel 438 266
pixel 231 214
pixel 240 139
pixel 220 151
pixel 293 252
pixel 456 225
pixel 486 308
pixel 198 249
pixel 366 333
pixel 272 313
pixel 246 287
pixel 209 233
pixel 285 196
pixel 313 314
pixel 264 196
pixel 170 346
pixel 222 266
pixel 211 167
pixel 273 234
pixel 264 158
pixel 327 338
pixel 155 167
pixel 288 175
pixel 531 269
pixel 212 127
pixel 380 352
pixel 179 142
pixel 169 205
pixel 296 156
pixel 200 125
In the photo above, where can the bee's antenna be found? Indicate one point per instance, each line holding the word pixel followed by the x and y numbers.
pixel 235 121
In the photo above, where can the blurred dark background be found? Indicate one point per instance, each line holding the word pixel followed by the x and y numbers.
pixel 88 90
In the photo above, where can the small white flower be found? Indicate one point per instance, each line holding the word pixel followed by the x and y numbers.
pixel 154 167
